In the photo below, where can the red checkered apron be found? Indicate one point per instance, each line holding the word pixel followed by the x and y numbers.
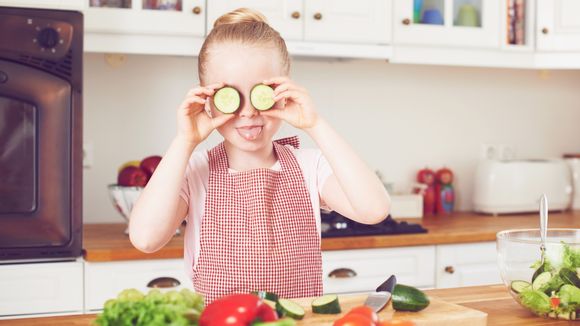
pixel 259 231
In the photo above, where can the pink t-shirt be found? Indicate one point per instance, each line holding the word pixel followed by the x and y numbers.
pixel 314 167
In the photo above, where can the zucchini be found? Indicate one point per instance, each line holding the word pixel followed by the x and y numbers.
pixel 262 97
pixel 227 99
pixel 288 308
pixel 326 304
pixel 541 281
pixel 408 298
pixel 520 286
pixel 569 276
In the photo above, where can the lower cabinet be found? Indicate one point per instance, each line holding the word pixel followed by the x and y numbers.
pixel 41 288
pixel 104 280
pixel 467 265
pixel 363 270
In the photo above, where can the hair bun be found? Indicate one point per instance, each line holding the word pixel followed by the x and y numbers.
pixel 240 15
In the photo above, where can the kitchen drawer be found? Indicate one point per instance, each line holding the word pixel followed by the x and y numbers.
pixel 104 281
pixel 364 270
pixel 467 264
pixel 37 288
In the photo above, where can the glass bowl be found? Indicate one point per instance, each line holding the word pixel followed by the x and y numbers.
pixel 550 289
pixel 123 198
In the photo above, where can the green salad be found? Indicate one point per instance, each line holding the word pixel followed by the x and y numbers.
pixel 554 291
pixel 132 307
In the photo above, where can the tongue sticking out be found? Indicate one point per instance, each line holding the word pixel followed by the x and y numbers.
pixel 249 133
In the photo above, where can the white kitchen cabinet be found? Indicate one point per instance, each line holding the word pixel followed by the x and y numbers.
pixel 104 280
pixel 285 16
pixel 558 25
pixel 363 270
pixel 467 264
pixel 45 4
pixel 460 23
pixel 38 288
pixel 346 21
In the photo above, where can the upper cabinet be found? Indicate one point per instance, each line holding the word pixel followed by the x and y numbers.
pixel 335 21
pixel 286 16
pixel 347 21
pixel 48 4
pixel 558 25
pixel 465 23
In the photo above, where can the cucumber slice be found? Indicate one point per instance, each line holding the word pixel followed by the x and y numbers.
pixel 569 276
pixel 541 281
pixel 408 298
pixel 326 304
pixel 539 271
pixel 227 99
pixel 262 97
pixel 288 308
pixel 270 296
pixel 520 286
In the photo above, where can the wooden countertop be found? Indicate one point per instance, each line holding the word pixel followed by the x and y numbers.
pixel 493 300
pixel 107 242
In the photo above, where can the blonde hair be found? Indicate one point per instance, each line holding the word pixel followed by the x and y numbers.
pixel 244 26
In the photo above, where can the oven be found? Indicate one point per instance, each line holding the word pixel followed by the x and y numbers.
pixel 40 134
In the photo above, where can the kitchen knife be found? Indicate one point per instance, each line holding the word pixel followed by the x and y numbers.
pixel 379 299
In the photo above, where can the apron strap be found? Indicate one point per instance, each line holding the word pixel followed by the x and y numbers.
pixel 293 141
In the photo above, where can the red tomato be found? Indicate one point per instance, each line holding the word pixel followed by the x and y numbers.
pixel 396 323
pixel 354 320
pixel 365 311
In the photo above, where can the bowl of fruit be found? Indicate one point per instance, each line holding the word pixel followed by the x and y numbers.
pixel 550 287
pixel 132 177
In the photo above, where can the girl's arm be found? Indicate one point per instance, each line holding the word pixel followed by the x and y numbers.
pixel 159 209
pixel 354 190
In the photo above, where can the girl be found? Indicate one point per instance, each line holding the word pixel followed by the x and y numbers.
pixel 252 205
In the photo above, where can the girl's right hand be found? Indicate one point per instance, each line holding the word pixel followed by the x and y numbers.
pixel 194 124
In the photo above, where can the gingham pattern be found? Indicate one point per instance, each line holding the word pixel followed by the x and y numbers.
pixel 258 232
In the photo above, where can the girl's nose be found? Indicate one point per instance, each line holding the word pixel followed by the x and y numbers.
pixel 247 110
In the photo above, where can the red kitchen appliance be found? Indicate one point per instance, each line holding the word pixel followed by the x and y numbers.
pixel 40 134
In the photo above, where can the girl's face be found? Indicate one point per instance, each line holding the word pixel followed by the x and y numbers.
pixel 242 67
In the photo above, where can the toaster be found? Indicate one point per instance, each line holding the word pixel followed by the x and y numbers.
pixel 504 187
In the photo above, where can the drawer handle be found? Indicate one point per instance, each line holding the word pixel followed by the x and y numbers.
pixel 342 273
pixel 449 269
pixel 163 283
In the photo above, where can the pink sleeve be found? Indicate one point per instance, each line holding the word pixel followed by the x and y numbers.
pixel 323 171
pixel 184 192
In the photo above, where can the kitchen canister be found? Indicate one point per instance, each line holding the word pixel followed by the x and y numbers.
pixel 573 161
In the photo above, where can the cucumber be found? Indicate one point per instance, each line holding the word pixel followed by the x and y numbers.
pixel 520 286
pixel 408 298
pixel 569 276
pixel 288 308
pixel 539 271
pixel 326 304
pixel 279 322
pixel 227 99
pixel 541 281
pixel 262 97
pixel 270 296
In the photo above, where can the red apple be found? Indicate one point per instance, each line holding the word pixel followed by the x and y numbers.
pixel 132 176
pixel 149 164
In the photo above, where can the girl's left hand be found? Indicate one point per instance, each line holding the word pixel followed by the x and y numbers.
pixel 298 109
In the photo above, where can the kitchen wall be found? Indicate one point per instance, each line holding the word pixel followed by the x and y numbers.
pixel 400 118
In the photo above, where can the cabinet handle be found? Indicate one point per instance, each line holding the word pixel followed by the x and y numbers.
pixel 545 30
pixel 163 282
pixel 449 269
pixel 342 273
pixel 296 15
pixel 196 10
pixel 318 16
pixel 406 21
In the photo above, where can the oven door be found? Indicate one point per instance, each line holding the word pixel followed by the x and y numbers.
pixel 36 206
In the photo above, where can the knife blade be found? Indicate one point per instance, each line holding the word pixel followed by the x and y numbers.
pixel 379 299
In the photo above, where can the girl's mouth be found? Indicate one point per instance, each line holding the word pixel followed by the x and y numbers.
pixel 250 132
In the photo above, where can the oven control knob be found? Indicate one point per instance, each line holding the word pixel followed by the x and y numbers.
pixel 48 37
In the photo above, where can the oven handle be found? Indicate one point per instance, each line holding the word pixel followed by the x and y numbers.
pixel 163 283
pixel 342 273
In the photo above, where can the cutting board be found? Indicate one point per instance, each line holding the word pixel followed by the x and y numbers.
pixel 438 313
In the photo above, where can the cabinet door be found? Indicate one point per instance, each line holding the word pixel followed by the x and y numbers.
pixel 45 4
pixel 467 265
pixel 346 21
pixel 346 271
pixel 148 17
pixel 558 25
pixel 285 16
pixel 465 23
pixel 104 281
pixel 41 288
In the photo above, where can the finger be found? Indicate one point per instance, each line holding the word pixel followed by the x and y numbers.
pixel 201 92
pixel 293 95
pixel 276 80
pixel 220 120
